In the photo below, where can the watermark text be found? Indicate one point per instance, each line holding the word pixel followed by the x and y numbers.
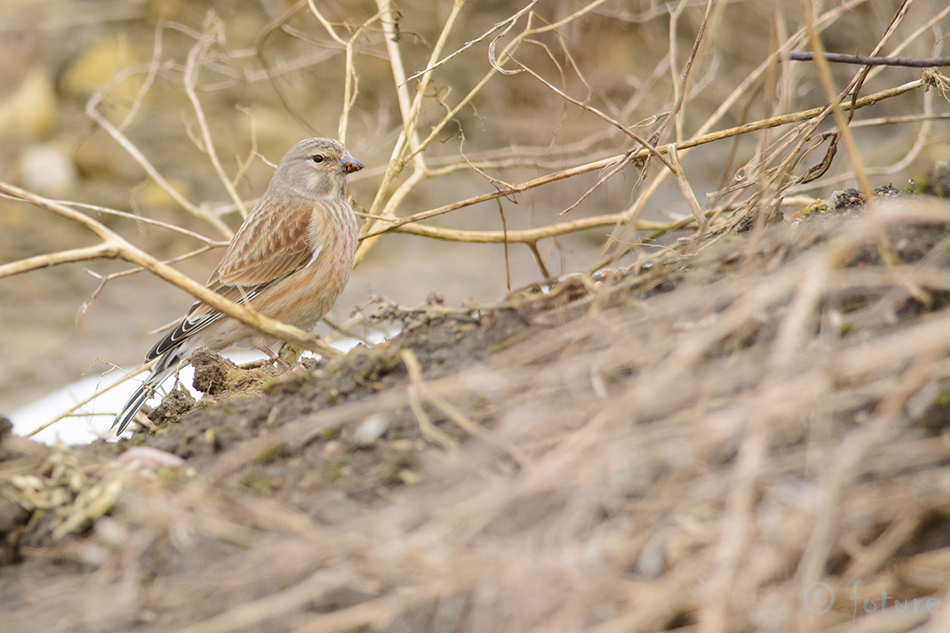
pixel 822 598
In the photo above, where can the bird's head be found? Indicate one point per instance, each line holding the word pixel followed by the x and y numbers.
pixel 314 168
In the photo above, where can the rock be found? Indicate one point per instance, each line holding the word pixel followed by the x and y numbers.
pixel 149 458
pixel 48 170
pixel 100 67
pixel 31 109
pixel 369 430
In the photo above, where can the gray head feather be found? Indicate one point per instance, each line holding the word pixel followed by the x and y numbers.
pixel 313 168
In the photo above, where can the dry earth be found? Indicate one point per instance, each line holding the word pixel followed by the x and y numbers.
pixel 699 440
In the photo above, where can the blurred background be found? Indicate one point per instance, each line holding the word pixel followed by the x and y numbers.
pixel 273 75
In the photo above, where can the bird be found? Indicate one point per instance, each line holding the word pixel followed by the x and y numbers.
pixel 289 260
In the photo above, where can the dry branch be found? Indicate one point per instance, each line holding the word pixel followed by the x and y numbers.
pixel 771 122
pixel 689 443
pixel 114 246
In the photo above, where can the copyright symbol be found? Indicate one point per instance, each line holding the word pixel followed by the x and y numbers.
pixel 819 602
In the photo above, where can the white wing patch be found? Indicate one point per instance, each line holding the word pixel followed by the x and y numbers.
pixel 313 258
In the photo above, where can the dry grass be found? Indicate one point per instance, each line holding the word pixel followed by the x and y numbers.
pixel 693 458
pixel 697 442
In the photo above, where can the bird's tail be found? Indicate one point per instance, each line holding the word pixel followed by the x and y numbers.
pixel 165 367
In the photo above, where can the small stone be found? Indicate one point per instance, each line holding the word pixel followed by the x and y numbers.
pixel 48 170
pixel 652 560
pixel 148 458
pixel 370 430
pixel 92 554
pixel 31 109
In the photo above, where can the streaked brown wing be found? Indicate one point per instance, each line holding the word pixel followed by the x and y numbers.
pixel 271 244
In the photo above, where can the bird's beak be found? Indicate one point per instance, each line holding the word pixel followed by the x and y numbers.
pixel 350 164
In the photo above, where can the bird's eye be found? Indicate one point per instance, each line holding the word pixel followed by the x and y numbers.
pixel 317 158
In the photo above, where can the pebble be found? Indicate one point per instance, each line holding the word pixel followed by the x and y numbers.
pixel 47 169
pixel 148 458
pixel 370 430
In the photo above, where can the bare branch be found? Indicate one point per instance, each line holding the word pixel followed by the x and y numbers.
pixel 776 121
pixel 115 246
pixel 213 33
pixel 906 62
pixel 133 151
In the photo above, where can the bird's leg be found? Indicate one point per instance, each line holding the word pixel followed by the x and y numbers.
pixel 275 358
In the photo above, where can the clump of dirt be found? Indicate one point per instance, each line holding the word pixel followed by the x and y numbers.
pixel 173 407
pixel 215 376
pixel 444 341
pixel 580 451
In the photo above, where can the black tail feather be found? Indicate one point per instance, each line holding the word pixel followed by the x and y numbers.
pixel 165 367
pixel 131 407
